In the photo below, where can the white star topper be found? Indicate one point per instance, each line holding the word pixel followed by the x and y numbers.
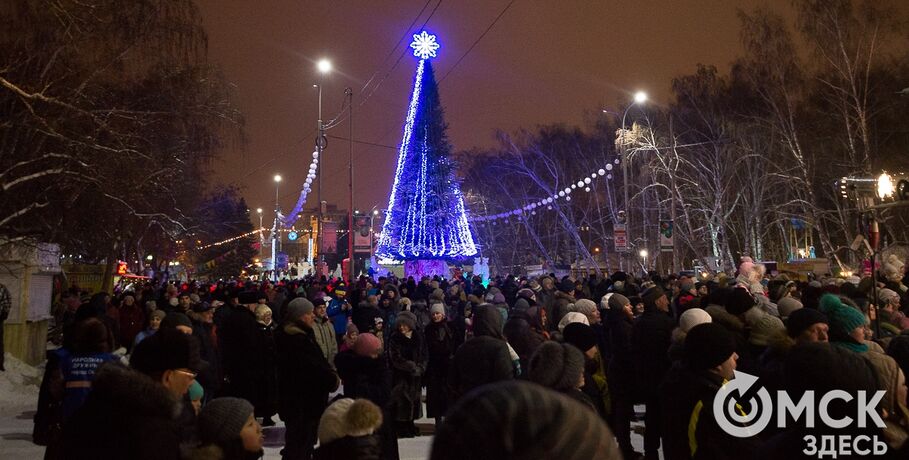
pixel 424 45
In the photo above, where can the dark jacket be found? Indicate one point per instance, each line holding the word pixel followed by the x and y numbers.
pixel 369 378
pixel 351 448
pixel 440 348
pixel 650 340
pixel 237 338
pixel 407 360
pixel 265 396
pixel 620 373
pixel 479 361
pixel 560 308
pixel 126 416
pixel 522 337
pixel 305 378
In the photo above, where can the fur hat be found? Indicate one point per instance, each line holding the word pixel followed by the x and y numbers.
pixel 801 319
pixel 708 345
pixel 367 344
pixel 692 317
pixel 557 366
pixel 892 268
pixel 787 305
pixel 739 301
pixel 297 308
pixel 166 350
pixel 843 318
pixel 222 419
pixel 617 302
pixel 348 417
pixel 580 335
pixel 407 318
pixel 764 327
pixel 437 308
pixel 437 294
pixel 572 317
pixel 567 286
pixel 160 314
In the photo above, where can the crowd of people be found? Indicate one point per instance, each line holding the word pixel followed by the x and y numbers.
pixel 512 367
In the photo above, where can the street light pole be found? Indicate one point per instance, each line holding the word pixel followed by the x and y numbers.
pixel 639 98
pixel 274 233
pixel 324 67
pixel 350 230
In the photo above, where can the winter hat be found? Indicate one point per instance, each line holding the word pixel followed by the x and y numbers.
pixel 764 327
pixel 407 318
pixel 405 304
pixel 586 307
pixel 580 335
pixel 617 302
pixel 566 285
pixel 367 344
pixel 195 391
pixel 348 417
pixel 194 298
pixel 801 319
pixel 498 298
pixel 692 317
pixel 297 308
pixel 166 350
pixel 651 295
pixel 352 328
pixel 222 419
pixel 556 366
pixel 521 420
pixel 525 293
pixel 437 294
pixel 843 318
pixel 572 317
pixel 887 295
pixel 437 308
pixel 160 314
pixel 175 319
pixel 739 301
pixel 202 307
pixel 787 305
pixel 892 268
pixel 746 266
pixel 854 280
pixel 708 345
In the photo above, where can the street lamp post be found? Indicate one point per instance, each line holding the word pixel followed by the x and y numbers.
pixel 643 255
pixel 372 232
pixel 259 210
pixel 639 98
pixel 324 67
pixel 274 232
pixel 350 230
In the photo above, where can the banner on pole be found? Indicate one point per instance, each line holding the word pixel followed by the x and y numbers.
pixel 666 240
pixel 362 238
pixel 329 238
pixel 620 237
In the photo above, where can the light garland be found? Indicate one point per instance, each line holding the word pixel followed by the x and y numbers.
pixel 583 183
pixel 232 239
pixel 307 187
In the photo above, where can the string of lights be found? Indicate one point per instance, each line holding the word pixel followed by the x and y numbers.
pixel 582 183
pixel 307 187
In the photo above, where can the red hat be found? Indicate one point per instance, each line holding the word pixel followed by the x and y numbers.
pixel 367 344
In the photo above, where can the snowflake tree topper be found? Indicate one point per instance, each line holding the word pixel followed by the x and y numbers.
pixel 424 45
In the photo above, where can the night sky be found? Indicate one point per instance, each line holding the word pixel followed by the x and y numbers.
pixel 544 61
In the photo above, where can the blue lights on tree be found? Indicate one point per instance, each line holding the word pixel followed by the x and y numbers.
pixel 426 216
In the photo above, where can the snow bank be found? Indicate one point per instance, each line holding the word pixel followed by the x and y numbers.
pixel 19 384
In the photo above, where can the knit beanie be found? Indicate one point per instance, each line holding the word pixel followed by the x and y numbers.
pixel 692 317
pixel 556 366
pixel 348 417
pixel 886 295
pixel 580 335
pixel 585 307
pixel 523 420
pixel 222 419
pixel 764 327
pixel 175 319
pixel 787 305
pixel 437 294
pixel 651 296
pixel 195 391
pixel 297 308
pixel 160 314
pixel 708 345
pixel 566 285
pixel 525 293
pixel 801 319
pixel 617 302
pixel 570 318
pixel 366 344
pixel 437 308
pixel 843 318
pixel 407 318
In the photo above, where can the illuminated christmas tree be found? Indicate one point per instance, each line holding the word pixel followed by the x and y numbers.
pixel 426 218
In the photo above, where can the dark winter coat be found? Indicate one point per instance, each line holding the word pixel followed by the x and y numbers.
pixel 522 338
pixel 127 416
pixel 265 397
pixel 650 340
pixel 132 321
pixel 305 378
pixel 237 339
pixel 620 373
pixel 351 448
pixel 479 361
pixel 369 378
pixel 686 401
pixel 440 348
pixel 407 360
pixel 560 308
pixel 364 317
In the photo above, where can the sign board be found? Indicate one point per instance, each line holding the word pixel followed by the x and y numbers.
pixel 362 234
pixel 329 238
pixel 620 237
pixel 666 241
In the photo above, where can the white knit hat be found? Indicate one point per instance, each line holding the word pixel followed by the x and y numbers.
pixel 692 317
pixel 572 317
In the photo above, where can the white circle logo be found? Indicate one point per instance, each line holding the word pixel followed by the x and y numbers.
pixel 738 424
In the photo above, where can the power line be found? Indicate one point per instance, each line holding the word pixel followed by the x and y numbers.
pixel 477 40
